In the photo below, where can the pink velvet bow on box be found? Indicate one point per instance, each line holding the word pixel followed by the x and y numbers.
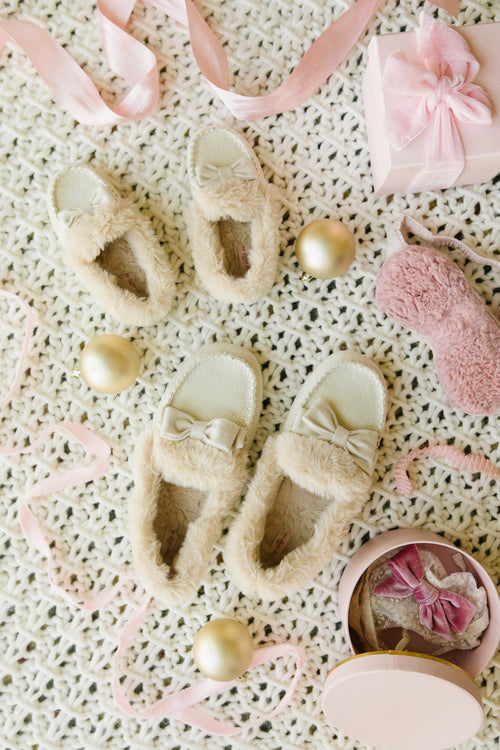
pixel 431 94
pixel 444 612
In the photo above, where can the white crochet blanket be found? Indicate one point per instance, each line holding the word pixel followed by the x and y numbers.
pixel 55 661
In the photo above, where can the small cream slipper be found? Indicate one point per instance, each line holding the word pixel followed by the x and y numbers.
pixel 234 217
pixel 311 480
pixel 190 469
pixel 111 247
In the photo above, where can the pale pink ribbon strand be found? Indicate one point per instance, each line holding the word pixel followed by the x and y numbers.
pixel 29 523
pixel 181 705
pixel 28 330
pixel 137 65
pixel 462 461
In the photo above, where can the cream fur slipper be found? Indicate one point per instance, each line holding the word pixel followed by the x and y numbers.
pixel 311 479
pixel 191 467
pixel 111 248
pixel 234 217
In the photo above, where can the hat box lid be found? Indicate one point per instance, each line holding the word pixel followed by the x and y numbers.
pixel 396 699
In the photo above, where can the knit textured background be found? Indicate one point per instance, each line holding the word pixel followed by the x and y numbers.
pixel 55 661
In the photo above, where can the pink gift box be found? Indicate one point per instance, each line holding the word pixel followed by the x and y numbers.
pixel 393 170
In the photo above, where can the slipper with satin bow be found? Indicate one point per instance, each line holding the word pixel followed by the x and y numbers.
pixel 111 247
pixel 233 219
pixel 190 468
pixel 311 480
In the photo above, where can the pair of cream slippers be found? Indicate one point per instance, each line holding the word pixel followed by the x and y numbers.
pixel 312 478
pixel 233 228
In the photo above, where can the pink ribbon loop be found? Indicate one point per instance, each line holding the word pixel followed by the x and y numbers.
pixel 182 705
pixel 441 611
pixel 431 95
pixel 29 523
pixel 137 65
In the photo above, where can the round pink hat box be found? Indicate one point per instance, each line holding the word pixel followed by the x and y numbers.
pixel 395 700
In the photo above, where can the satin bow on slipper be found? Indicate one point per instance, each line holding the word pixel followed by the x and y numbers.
pixel 321 422
pixel 69 215
pixel 220 433
pixel 241 169
pixel 444 612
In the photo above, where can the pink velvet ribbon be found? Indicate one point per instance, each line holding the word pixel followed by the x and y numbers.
pixel 431 95
pixel 137 65
pixel 441 611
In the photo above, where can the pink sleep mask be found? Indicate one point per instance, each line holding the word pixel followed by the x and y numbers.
pixel 423 289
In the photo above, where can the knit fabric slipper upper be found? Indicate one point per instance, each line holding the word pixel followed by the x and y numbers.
pixel 234 218
pixel 111 247
pixel 190 468
pixel 311 479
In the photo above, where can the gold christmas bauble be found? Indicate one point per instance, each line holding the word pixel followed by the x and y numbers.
pixel 325 248
pixel 109 364
pixel 223 649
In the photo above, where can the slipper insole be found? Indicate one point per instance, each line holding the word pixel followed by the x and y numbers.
pixel 176 508
pixel 290 522
pixel 235 238
pixel 119 260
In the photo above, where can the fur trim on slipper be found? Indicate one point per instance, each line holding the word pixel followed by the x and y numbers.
pixel 171 567
pixel 189 470
pixel 311 480
pixel 234 217
pixel 111 248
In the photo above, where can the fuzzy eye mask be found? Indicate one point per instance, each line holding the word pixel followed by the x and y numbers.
pixel 422 289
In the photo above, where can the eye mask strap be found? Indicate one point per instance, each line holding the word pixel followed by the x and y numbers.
pixel 398 238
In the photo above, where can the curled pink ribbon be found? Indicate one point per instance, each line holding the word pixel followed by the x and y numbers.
pixel 443 612
pixel 431 96
pixel 137 65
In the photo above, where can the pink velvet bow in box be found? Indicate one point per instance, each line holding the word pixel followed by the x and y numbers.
pixel 430 95
pixel 443 612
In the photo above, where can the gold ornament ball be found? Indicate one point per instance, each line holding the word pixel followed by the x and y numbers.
pixel 109 364
pixel 223 649
pixel 325 248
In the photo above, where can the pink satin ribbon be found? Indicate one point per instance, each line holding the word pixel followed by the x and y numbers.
pixel 28 330
pixel 182 704
pixel 430 97
pixel 458 459
pixel 443 612
pixel 29 523
pixel 137 65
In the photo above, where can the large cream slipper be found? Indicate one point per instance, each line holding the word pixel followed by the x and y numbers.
pixel 111 248
pixel 311 479
pixel 234 217
pixel 190 468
